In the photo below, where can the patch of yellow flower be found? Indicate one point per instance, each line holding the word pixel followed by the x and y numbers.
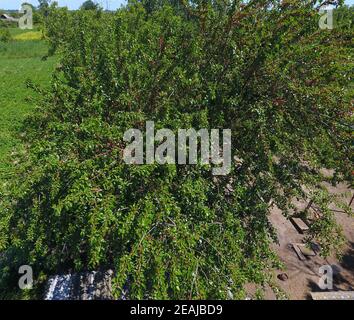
pixel 26 36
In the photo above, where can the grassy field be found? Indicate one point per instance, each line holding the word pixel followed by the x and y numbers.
pixel 20 60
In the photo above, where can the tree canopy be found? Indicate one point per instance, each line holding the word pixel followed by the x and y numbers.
pixel 261 68
pixel 89 5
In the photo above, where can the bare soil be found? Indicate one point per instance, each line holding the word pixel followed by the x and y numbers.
pixel 303 276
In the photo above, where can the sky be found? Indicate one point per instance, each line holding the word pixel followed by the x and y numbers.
pixel 75 4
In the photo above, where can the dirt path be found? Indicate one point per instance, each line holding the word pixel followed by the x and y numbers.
pixel 303 276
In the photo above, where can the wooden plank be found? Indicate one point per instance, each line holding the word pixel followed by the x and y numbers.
pixel 334 295
pixel 298 252
pixel 308 252
pixel 351 201
pixel 300 225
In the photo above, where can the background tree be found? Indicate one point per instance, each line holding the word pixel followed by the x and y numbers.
pixel 89 5
pixel 43 7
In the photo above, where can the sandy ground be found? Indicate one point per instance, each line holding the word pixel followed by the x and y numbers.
pixel 303 276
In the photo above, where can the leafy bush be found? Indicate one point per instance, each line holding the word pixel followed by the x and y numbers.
pixel 5 35
pixel 263 69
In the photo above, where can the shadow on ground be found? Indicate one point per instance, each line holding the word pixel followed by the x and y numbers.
pixel 340 274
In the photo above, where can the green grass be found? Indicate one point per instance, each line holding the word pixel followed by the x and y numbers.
pixel 26 34
pixel 19 61
pixel 15 50
pixel 17 31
